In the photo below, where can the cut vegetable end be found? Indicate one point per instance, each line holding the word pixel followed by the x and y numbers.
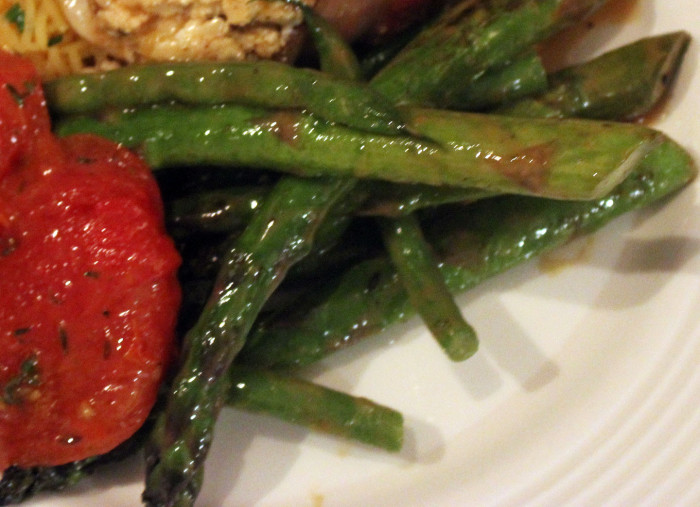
pixel 626 167
pixel 460 345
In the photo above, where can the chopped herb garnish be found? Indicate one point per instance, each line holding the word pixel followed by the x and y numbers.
pixel 7 246
pixel 21 331
pixel 92 274
pixel 15 15
pixel 56 39
pixel 63 337
pixel 28 376
pixel 18 95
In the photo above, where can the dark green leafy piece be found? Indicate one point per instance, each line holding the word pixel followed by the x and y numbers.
pixel 16 15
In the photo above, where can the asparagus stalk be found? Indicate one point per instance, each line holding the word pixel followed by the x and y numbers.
pixel 394 200
pixel 274 240
pixel 523 77
pixel 624 83
pixel 566 159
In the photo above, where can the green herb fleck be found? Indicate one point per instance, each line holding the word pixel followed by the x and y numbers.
pixel 28 376
pixel 19 95
pixel 15 15
pixel 63 337
pixel 56 39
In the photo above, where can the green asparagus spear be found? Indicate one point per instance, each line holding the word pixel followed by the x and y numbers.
pixel 624 83
pixel 566 159
pixel 473 243
pixel 308 404
pixel 420 276
pixel 267 84
pixel 277 238
pixel 521 78
pixel 468 41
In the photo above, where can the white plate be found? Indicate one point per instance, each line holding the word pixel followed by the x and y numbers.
pixel 585 391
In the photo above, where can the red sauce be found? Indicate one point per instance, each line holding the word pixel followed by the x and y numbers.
pixel 88 288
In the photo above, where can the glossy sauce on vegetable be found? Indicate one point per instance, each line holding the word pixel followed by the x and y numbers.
pixel 88 288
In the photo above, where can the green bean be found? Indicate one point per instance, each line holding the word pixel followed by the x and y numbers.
pixel 566 159
pixel 470 40
pixel 264 84
pixel 624 83
pixel 474 243
pixel 301 402
pixel 427 292
pixel 521 78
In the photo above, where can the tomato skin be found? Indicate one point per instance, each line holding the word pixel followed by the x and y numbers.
pixel 88 288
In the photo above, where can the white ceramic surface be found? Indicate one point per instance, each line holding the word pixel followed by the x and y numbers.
pixel 585 391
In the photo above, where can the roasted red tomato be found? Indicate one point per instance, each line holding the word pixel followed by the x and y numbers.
pixel 88 288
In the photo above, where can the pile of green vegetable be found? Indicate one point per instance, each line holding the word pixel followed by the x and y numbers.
pixel 315 208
